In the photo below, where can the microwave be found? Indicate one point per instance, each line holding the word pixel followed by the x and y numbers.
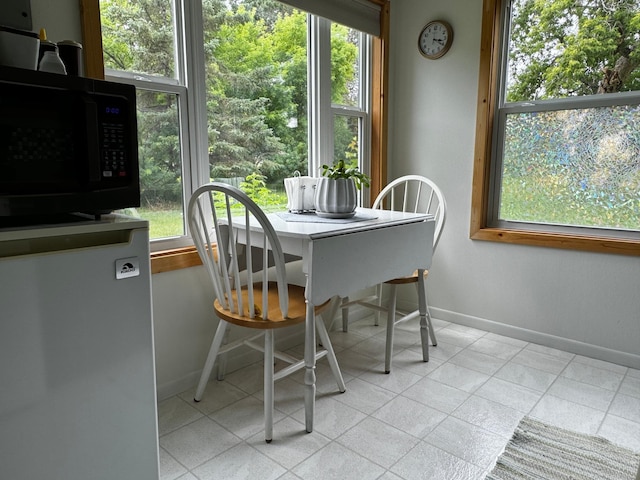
pixel 67 145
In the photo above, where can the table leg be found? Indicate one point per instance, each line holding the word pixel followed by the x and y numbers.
pixel 310 367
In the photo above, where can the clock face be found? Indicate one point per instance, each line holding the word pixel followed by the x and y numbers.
pixel 435 39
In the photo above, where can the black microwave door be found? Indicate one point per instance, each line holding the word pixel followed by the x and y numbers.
pixel 43 141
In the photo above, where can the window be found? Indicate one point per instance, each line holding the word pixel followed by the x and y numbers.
pixel 226 98
pixel 557 143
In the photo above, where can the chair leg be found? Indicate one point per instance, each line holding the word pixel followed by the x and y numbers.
pixel 268 385
pixel 331 356
pixel 432 334
pixel 424 320
pixel 391 320
pixel 376 321
pixel 345 315
pixel 211 359
pixel 222 361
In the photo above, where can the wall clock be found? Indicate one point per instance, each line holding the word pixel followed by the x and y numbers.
pixel 435 39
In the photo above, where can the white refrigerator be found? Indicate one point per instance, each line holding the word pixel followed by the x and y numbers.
pixel 77 374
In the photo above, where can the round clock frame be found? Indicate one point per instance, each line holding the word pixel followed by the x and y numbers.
pixel 431 46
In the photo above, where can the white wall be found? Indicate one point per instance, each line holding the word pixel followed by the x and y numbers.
pixel 60 18
pixel 585 302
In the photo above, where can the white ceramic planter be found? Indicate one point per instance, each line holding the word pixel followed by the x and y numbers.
pixel 336 196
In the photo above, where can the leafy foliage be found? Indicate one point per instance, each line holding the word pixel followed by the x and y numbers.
pixel 256 86
pixel 565 48
pixel 341 170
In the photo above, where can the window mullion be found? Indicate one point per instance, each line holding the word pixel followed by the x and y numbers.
pixel 193 59
pixel 319 93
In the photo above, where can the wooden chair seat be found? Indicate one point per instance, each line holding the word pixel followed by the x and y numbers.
pixel 413 278
pixel 297 308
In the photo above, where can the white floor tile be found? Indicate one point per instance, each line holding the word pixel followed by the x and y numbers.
pixel 397 382
pixel 477 361
pixel 174 413
pixel 436 395
pixel 244 418
pixel 443 351
pixel 456 337
pixel 626 406
pixel 489 415
pixel 411 360
pixel 377 441
pixel 594 362
pixel 502 350
pixel 410 416
pixel 630 386
pixel 364 396
pixel 501 338
pixel 428 462
pixel 549 351
pixel 198 442
pixel 599 377
pixel 458 377
pixel 170 468
pixel 291 443
pixel 239 463
pixel 332 418
pixel 541 361
pixel 335 462
pixel 582 393
pixel 468 442
pixel 217 395
pixel 621 431
pixel 526 376
pixel 509 394
pixel 569 415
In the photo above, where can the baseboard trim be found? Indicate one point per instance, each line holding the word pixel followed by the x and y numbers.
pixel 552 341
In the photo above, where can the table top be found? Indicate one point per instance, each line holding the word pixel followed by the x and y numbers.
pixel 315 230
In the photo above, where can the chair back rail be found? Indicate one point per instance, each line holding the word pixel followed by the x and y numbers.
pixel 416 194
pixel 211 219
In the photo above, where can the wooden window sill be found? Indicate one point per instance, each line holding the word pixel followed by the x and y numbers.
pixel 559 240
pixel 175 259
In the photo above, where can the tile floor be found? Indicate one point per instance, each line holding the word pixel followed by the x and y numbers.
pixel 447 419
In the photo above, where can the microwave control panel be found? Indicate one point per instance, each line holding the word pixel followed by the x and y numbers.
pixel 114 141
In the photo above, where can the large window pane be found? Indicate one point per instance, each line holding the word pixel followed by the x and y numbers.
pixel 139 40
pixel 161 189
pixel 346 134
pixel 345 54
pixel 573 167
pixel 569 48
pixel 256 82
pixel 139 36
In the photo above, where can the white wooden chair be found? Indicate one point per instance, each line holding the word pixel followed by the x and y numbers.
pixel 411 193
pixel 246 294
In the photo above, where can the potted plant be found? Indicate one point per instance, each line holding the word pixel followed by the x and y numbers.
pixel 336 190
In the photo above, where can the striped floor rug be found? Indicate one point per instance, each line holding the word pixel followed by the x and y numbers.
pixel 540 451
